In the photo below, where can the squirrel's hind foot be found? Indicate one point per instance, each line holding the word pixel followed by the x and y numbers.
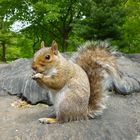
pixel 48 120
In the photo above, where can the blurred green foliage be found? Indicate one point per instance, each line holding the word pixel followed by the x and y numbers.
pixel 69 22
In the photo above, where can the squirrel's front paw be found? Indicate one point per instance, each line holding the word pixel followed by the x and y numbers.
pixel 37 76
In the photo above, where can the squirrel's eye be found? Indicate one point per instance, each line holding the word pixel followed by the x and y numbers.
pixel 47 57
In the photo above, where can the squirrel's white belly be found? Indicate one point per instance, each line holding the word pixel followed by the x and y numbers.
pixel 57 96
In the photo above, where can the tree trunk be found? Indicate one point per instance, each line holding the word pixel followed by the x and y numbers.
pixel 64 43
pixel 3 52
pixel 65 34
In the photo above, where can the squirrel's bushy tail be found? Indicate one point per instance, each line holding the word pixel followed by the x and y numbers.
pixel 101 65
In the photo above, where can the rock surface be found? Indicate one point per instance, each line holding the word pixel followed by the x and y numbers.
pixel 120 121
pixel 129 67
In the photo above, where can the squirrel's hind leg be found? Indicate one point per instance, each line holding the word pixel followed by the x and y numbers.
pixel 50 119
pixel 73 108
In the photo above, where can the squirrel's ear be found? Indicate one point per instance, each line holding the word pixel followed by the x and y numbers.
pixel 54 47
pixel 42 44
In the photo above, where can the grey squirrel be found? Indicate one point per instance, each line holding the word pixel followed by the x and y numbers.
pixel 78 87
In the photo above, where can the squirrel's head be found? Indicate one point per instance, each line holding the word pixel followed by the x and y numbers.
pixel 45 58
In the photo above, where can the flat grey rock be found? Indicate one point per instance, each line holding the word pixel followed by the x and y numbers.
pixel 134 57
pixel 120 121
